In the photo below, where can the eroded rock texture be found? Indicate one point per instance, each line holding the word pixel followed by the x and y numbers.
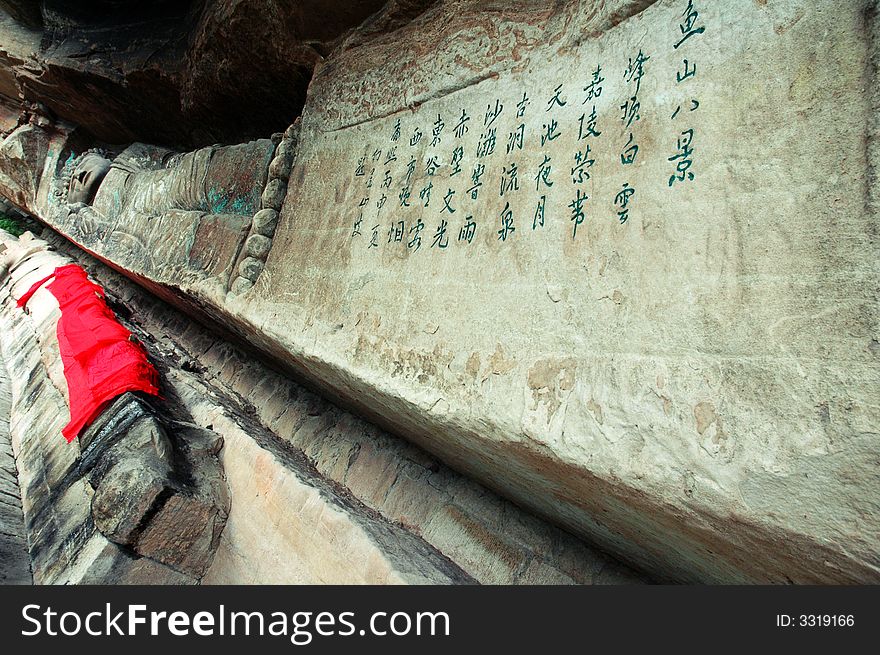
pixel 175 72
pixel 316 495
pixel 15 564
pixel 594 255
pixel 64 544
pixel 685 374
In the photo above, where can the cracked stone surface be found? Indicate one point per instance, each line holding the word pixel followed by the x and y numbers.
pixel 666 343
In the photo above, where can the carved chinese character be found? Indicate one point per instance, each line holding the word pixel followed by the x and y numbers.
pixel 635 71
pixel 582 162
pixel 506 223
pixel 431 166
pixel 395 234
pixel 622 201
pixel 492 114
pixel 630 111
pixel 539 213
pixel 447 202
pixel 688 72
pixel 457 155
pixel 577 211
pixel 467 230
pixel 550 132
pixel 475 177
pixel 462 128
pixel 486 145
pixel 415 233
pixel 683 158
pixel 410 171
pixel 509 181
pixel 689 27
pixel 543 174
pixel 425 194
pixel 590 128
pixel 594 88
pixel 521 106
pixel 441 240
pixel 628 156
pixel 438 128
pixel 556 100
pixel 515 138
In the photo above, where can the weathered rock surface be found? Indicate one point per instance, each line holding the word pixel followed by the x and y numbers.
pixel 19 151
pixel 15 564
pixel 289 522
pixel 492 540
pixel 648 313
pixel 166 72
pixel 164 498
pixel 63 543
pixel 132 472
pixel 694 387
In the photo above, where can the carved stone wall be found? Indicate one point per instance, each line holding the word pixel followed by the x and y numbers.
pixel 618 261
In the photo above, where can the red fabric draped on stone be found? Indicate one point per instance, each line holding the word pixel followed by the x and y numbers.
pixel 100 362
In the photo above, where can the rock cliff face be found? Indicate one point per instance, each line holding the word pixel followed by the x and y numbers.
pixel 185 73
pixel 616 260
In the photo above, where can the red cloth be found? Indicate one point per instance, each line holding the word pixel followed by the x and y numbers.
pixel 100 363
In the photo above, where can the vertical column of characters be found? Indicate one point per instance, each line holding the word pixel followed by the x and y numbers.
pixel 683 158
pixel 583 161
pixel 468 229
pixel 630 117
pixel 385 182
pixel 441 233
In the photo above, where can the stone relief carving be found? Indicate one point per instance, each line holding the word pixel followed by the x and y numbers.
pixel 259 242
pixel 90 171
pixel 211 212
